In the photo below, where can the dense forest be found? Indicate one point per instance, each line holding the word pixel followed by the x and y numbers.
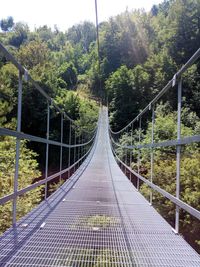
pixel 139 53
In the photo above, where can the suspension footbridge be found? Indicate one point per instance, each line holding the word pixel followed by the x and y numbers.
pixel 97 217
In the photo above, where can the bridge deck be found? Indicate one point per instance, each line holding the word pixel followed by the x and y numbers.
pixel 97 218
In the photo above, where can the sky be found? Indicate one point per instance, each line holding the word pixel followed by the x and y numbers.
pixel 65 13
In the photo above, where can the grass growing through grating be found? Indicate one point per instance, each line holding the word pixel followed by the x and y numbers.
pixel 96 222
pixel 91 258
pixel 101 221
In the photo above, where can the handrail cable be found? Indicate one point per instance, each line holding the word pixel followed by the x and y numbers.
pixel 140 144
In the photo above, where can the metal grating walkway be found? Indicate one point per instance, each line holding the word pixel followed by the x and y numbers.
pixel 97 219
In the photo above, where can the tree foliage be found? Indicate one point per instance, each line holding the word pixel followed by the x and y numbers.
pixel 19 34
pixel 28 171
pixel 7 24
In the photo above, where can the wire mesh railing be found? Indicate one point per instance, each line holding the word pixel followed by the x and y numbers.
pixel 79 140
pixel 128 144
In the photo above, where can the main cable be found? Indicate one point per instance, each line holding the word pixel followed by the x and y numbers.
pixel 98 49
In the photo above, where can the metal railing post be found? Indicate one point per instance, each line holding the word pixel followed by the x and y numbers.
pixel 74 148
pixel 82 146
pixel 178 152
pixel 69 151
pixel 152 154
pixel 61 147
pixel 17 155
pixel 139 139
pixel 126 155
pixel 85 147
pixel 79 141
pixel 47 148
pixel 131 150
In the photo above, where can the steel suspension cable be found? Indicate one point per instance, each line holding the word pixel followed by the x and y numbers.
pixel 98 48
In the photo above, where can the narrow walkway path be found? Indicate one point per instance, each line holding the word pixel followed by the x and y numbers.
pixel 96 219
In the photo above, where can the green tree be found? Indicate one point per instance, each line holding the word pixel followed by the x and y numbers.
pixel 184 18
pixel 67 72
pixel 33 53
pixel 8 92
pixel 19 34
pixel 123 97
pixel 7 24
pixel 28 171
pixel 82 34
